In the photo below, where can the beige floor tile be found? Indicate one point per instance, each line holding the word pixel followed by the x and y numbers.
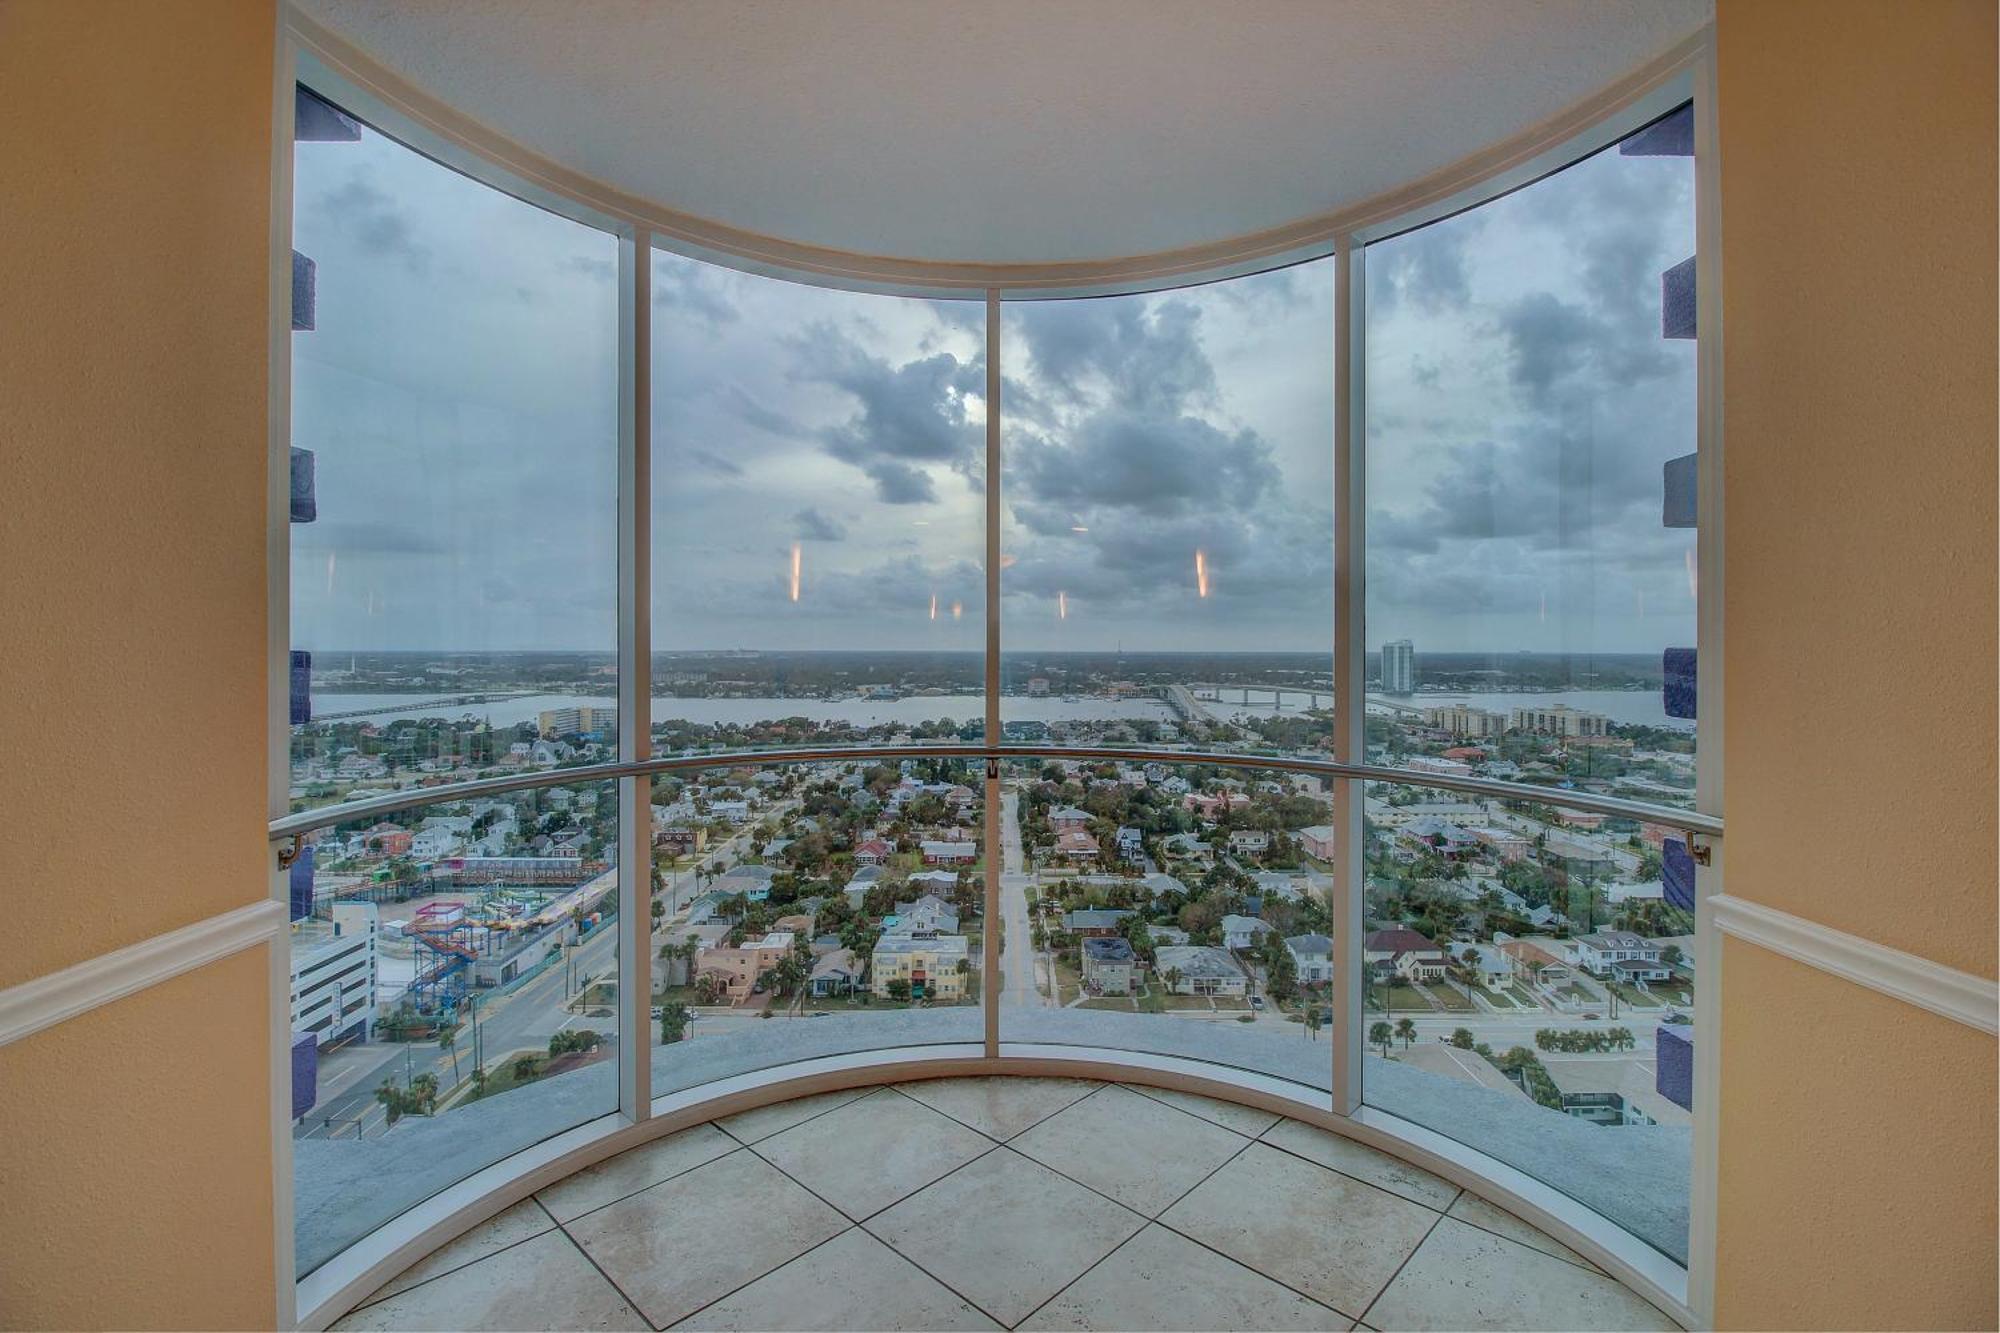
pixel 1161 1280
pixel 681 1244
pixel 1471 1208
pixel 1462 1277
pixel 1317 1231
pixel 999 1107
pixel 1005 1232
pixel 543 1283
pixel 633 1170
pixel 853 1281
pixel 877 1149
pixel 510 1226
pixel 1363 1163
pixel 1143 1153
pixel 1246 1120
pixel 762 1123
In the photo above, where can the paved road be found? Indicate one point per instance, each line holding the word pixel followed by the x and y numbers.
pixel 1017 957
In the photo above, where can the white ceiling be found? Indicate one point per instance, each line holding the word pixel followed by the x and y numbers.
pixel 1030 131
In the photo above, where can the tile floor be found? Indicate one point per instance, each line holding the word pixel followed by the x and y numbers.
pixel 1027 1203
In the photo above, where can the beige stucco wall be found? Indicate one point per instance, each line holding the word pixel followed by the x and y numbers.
pixel 135 1165
pixel 135 1140
pixel 1858 201
pixel 135 165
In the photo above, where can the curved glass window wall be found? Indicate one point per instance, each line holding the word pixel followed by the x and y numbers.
pixel 1155 869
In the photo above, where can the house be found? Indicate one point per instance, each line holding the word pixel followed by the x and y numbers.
pixel 1312 955
pixel 1096 921
pixel 949 853
pixel 836 973
pixel 736 812
pixel 936 966
pixel 1279 884
pixel 388 840
pixel 1381 814
pixel 1107 966
pixel 706 908
pixel 1158 883
pixel 1076 845
pixel 857 888
pixel 1317 841
pixel 753 882
pixel 682 839
pixel 739 967
pixel 1438 835
pixel 434 844
pixel 1242 932
pixel 1651 891
pixel 1165 934
pixel 939 882
pixel 872 852
pixel 1400 951
pixel 1196 969
pixel 1491 966
pixel 1534 964
pixel 1249 841
pixel 1186 845
pixel 1131 843
pixel 1067 818
pixel 1619 954
pixel 1505 844
pixel 928 913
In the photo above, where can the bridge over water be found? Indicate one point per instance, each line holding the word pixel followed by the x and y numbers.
pixel 438 706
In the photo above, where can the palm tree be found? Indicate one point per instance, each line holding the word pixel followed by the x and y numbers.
pixel 1172 976
pixel 1407 1030
pixel 1381 1034
pixel 448 1041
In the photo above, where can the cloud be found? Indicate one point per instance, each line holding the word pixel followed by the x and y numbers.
pixel 815 526
pixel 686 287
pixel 1121 459
pixel 381 225
pixel 911 415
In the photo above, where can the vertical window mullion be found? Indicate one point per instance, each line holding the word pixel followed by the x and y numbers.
pixel 989 994
pixel 635 673
pixel 1349 673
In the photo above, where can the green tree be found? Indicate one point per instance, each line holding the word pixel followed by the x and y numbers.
pixel 898 988
pixel 1381 1034
pixel 673 1022
pixel 1462 1038
pixel 1406 1029
pixel 448 1041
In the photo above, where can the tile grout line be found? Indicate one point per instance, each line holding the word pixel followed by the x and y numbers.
pixel 608 1203
pixel 1376 1299
pixel 1101 1086
pixel 860 1094
pixel 851 1226
pixel 591 1259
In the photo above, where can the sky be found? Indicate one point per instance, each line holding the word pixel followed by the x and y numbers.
pixel 1167 478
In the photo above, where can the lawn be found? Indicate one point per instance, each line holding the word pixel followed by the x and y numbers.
pixel 1398 1000
pixel 1635 997
pixel 1449 998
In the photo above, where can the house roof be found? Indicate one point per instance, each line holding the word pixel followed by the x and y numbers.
pixel 1235 924
pixel 1196 960
pixel 1109 950
pixel 1615 939
pixel 1309 944
pixel 1095 918
pixel 1398 940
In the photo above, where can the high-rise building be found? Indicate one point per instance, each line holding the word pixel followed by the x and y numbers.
pixel 585 720
pixel 1399 667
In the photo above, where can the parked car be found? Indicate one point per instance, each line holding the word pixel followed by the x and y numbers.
pixel 1256 1002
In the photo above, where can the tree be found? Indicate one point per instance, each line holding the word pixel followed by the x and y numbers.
pixel 1462 1038
pixel 1381 1034
pixel 1407 1030
pixel 899 989
pixel 1281 971
pixel 448 1041
pixel 673 1022
pixel 1172 976
pixel 1312 1022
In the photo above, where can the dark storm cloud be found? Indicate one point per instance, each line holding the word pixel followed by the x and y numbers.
pixel 1144 355
pixel 1551 341
pixel 1161 465
pixel 911 414
pixel 379 538
pixel 816 526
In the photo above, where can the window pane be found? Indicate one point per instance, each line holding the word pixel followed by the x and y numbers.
pixel 1168 581
pixel 800 912
pixel 1531 616
pixel 453 580
pixel 818 516
pixel 454 999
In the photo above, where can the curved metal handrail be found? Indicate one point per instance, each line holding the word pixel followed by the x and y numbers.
pixel 307 821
